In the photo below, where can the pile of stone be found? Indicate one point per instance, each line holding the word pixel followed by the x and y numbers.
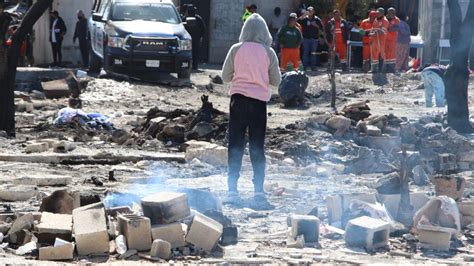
pixel 63 231
pixel 368 220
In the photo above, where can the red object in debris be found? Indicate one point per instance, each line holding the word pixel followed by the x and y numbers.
pixel 417 63
pixel 9 43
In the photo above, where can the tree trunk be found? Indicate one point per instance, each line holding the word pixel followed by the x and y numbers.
pixel 7 78
pixel 457 76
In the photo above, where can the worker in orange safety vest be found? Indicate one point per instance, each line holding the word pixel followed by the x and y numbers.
pixel 378 36
pixel 337 35
pixel 391 42
pixel 366 26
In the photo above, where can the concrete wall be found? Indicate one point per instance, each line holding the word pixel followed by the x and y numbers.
pixel 226 22
pixel 431 24
pixel 41 46
pixel 67 10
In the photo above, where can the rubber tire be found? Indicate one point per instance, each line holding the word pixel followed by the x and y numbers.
pixel 95 64
pixel 185 74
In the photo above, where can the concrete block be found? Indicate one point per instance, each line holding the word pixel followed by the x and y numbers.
pixel 63 252
pixel 54 226
pixel 466 156
pixel 392 202
pixel 21 237
pixel 43 180
pixel 466 208
pixel 172 233
pixel 339 123
pixel 466 220
pixel 36 147
pixel 388 144
pixel 16 234
pixel 93 206
pixel 160 249
pixel 50 142
pixel 17 192
pixel 56 89
pixel 367 232
pixel 166 207
pixel 373 130
pixel 451 186
pixel 434 237
pixel 212 154
pixel 365 197
pixel 90 230
pixel 306 225
pixel 446 158
pixel 334 206
pixel 204 232
pixel 464 166
pixel 230 236
pixel 4 227
pixel 137 231
pixel 63 147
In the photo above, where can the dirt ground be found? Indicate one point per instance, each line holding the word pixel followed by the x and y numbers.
pixel 262 234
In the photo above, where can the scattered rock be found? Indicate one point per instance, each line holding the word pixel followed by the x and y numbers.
pixel 161 249
pixel 339 123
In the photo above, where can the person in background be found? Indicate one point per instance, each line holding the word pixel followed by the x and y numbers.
pixel 197 31
pixel 312 26
pixel 251 66
pixel 391 42
pixel 403 44
pixel 81 33
pixel 290 40
pixel 327 18
pixel 249 11
pixel 337 35
pixel 378 35
pixel 57 31
pixel 366 26
pixel 276 23
pixel 432 77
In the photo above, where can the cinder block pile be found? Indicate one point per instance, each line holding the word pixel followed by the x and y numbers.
pixel 91 230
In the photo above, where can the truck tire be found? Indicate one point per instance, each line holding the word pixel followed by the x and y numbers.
pixel 184 74
pixel 95 62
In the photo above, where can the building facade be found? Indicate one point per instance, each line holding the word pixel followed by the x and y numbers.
pixel 435 26
pixel 67 10
pixel 226 22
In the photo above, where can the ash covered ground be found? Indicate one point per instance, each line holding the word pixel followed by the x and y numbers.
pixel 307 160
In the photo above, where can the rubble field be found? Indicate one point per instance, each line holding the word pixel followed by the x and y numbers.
pixel 105 170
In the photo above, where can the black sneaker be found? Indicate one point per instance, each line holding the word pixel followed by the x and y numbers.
pixel 233 199
pixel 260 202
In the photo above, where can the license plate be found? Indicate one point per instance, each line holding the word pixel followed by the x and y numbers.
pixel 152 63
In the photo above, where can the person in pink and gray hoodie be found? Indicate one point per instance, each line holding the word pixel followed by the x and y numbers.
pixel 251 67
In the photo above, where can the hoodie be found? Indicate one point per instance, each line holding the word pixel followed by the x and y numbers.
pixel 251 65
